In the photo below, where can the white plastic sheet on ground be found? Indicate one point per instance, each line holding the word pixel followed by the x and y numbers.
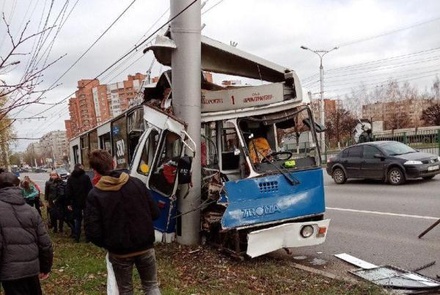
pixel 112 286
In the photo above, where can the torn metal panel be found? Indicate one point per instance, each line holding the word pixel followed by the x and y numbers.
pixel 355 261
pixel 392 277
pixel 225 59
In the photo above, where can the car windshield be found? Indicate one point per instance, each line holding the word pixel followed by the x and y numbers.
pixel 396 148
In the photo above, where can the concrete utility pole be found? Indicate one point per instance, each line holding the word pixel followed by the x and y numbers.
pixel 186 71
pixel 321 54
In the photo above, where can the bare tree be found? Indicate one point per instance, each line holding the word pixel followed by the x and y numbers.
pixel 431 115
pixel 340 124
pixel 397 120
pixel 6 135
pixel 24 90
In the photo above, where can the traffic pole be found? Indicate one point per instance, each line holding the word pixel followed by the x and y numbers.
pixel 186 83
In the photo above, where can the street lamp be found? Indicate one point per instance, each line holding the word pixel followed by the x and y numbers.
pixel 321 54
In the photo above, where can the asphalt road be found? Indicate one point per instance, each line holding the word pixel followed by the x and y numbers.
pixel 39 178
pixel 380 224
pixel 372 221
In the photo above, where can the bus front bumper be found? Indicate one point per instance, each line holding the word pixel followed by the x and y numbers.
pixel 288 235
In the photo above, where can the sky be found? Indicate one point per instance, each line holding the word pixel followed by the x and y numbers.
pixel 377 40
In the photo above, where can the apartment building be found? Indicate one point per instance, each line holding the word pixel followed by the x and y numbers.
pixel 81 107
pixel 386 111
pixel 52 147
pixel 95 103
pixel 330 106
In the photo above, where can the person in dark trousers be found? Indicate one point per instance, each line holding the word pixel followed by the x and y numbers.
pixel 119 217
pixel 26 252
pixel 55 196
pixel 78 187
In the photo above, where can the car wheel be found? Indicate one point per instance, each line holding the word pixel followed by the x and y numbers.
pixel 396 176
pixel 428 177
pixel 339 176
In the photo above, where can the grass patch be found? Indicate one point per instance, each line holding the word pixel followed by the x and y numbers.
pixel 79 268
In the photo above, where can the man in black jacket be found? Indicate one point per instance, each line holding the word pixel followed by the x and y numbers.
pixel 78 187
pixel 119 217
pixel 55 196
pixel 26 252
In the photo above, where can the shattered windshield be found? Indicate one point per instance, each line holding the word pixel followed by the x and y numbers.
pixel 280 140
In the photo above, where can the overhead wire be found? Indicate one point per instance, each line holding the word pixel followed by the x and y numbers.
pixel 430 65
pixel 139 40
pixel 330 74
pixel 96 41
pixel 213 6
pixel 372 64
pixel 125 55
pixel 49 49
pixel 389 32
pixel 385 69
pixel 348 43
pixel 32 73
pixel 134 49
pixel 54 83
pixel 349 75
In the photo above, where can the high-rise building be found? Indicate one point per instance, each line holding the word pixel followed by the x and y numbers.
pixel 95 103
pixel 81 108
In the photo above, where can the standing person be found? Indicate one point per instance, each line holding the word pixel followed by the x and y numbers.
pixel 54 194
pixel 78 187
pixel 30 194
pixel 37 202
pixel 119 217
pixel 25 248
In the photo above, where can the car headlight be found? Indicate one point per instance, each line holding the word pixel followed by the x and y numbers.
pixel 307 231
pixel 412 162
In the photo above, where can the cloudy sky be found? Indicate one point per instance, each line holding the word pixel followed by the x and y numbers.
pixel 377 40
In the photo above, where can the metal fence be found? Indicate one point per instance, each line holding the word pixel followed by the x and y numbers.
pixel 422 140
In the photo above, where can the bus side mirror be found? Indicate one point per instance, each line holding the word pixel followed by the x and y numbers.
pixel 318 127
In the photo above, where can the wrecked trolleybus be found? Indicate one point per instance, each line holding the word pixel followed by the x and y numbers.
pixel 262 182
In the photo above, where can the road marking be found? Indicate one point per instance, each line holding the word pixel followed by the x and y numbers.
pixel 382 213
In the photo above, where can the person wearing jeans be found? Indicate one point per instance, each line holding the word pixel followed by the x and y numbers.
pixel 119 217
pixel 145 264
